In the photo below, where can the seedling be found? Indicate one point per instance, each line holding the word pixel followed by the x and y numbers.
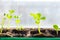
pixel 56 28
pixel 37 17
pixel 2 24
pixel 21 28
pixel 17 20
pixel 9 16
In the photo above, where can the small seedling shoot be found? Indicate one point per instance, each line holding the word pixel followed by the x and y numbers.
pixel 55 26
pixel 9 16
pixel 2 23
pixel 38 17
pixel 21 28
pixel 17 21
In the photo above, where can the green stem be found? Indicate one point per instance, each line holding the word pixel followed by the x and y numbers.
pixel 2 24
pixel 2 28
pixel 21 28
pixel 8 24
pixel 57 32
pixel 39 29
pixel 17 26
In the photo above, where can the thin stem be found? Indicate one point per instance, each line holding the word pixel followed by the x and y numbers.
pixel 2 28
pixel 2 24
pixel 8 24
pixel 57 32
pixel 39 29
pixel 21 28
pixel 17 26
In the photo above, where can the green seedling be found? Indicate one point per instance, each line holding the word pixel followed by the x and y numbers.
pixel 2 24
pixel 9 16
pixel 17 21
pixel 21 28
pixel 37 17
pixel 56 28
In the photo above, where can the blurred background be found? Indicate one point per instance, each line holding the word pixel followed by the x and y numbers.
pixel 51 10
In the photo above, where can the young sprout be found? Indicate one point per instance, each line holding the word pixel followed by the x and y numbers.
pixel 21 28
pixel 11 11
pixel 56 28
pixel 17 20
pixel 37 17
pixel 9 16
pixel 2 24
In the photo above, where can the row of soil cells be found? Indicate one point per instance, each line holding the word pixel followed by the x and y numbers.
pixel 29 32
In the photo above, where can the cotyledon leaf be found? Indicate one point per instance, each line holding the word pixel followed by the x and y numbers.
pixel 11 11
pixel 43 18
pixel 17 21
pixel 55 27
pixel 16 16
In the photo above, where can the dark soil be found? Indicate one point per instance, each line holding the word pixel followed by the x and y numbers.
pixel 29 32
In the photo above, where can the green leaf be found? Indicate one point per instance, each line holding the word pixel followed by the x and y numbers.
pixel 38 15
pixel 43 18
pixel 37 21
pixel 17 21
pixel 9 16
pixel 16 16
pixel 11 11
pixel 55 27
pixel 33 15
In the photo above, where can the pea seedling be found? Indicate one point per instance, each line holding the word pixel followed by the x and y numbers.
pixel 56 28
pixel 37 17
pixel 9 16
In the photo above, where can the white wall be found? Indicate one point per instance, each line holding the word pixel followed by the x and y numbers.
pixel 49 9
